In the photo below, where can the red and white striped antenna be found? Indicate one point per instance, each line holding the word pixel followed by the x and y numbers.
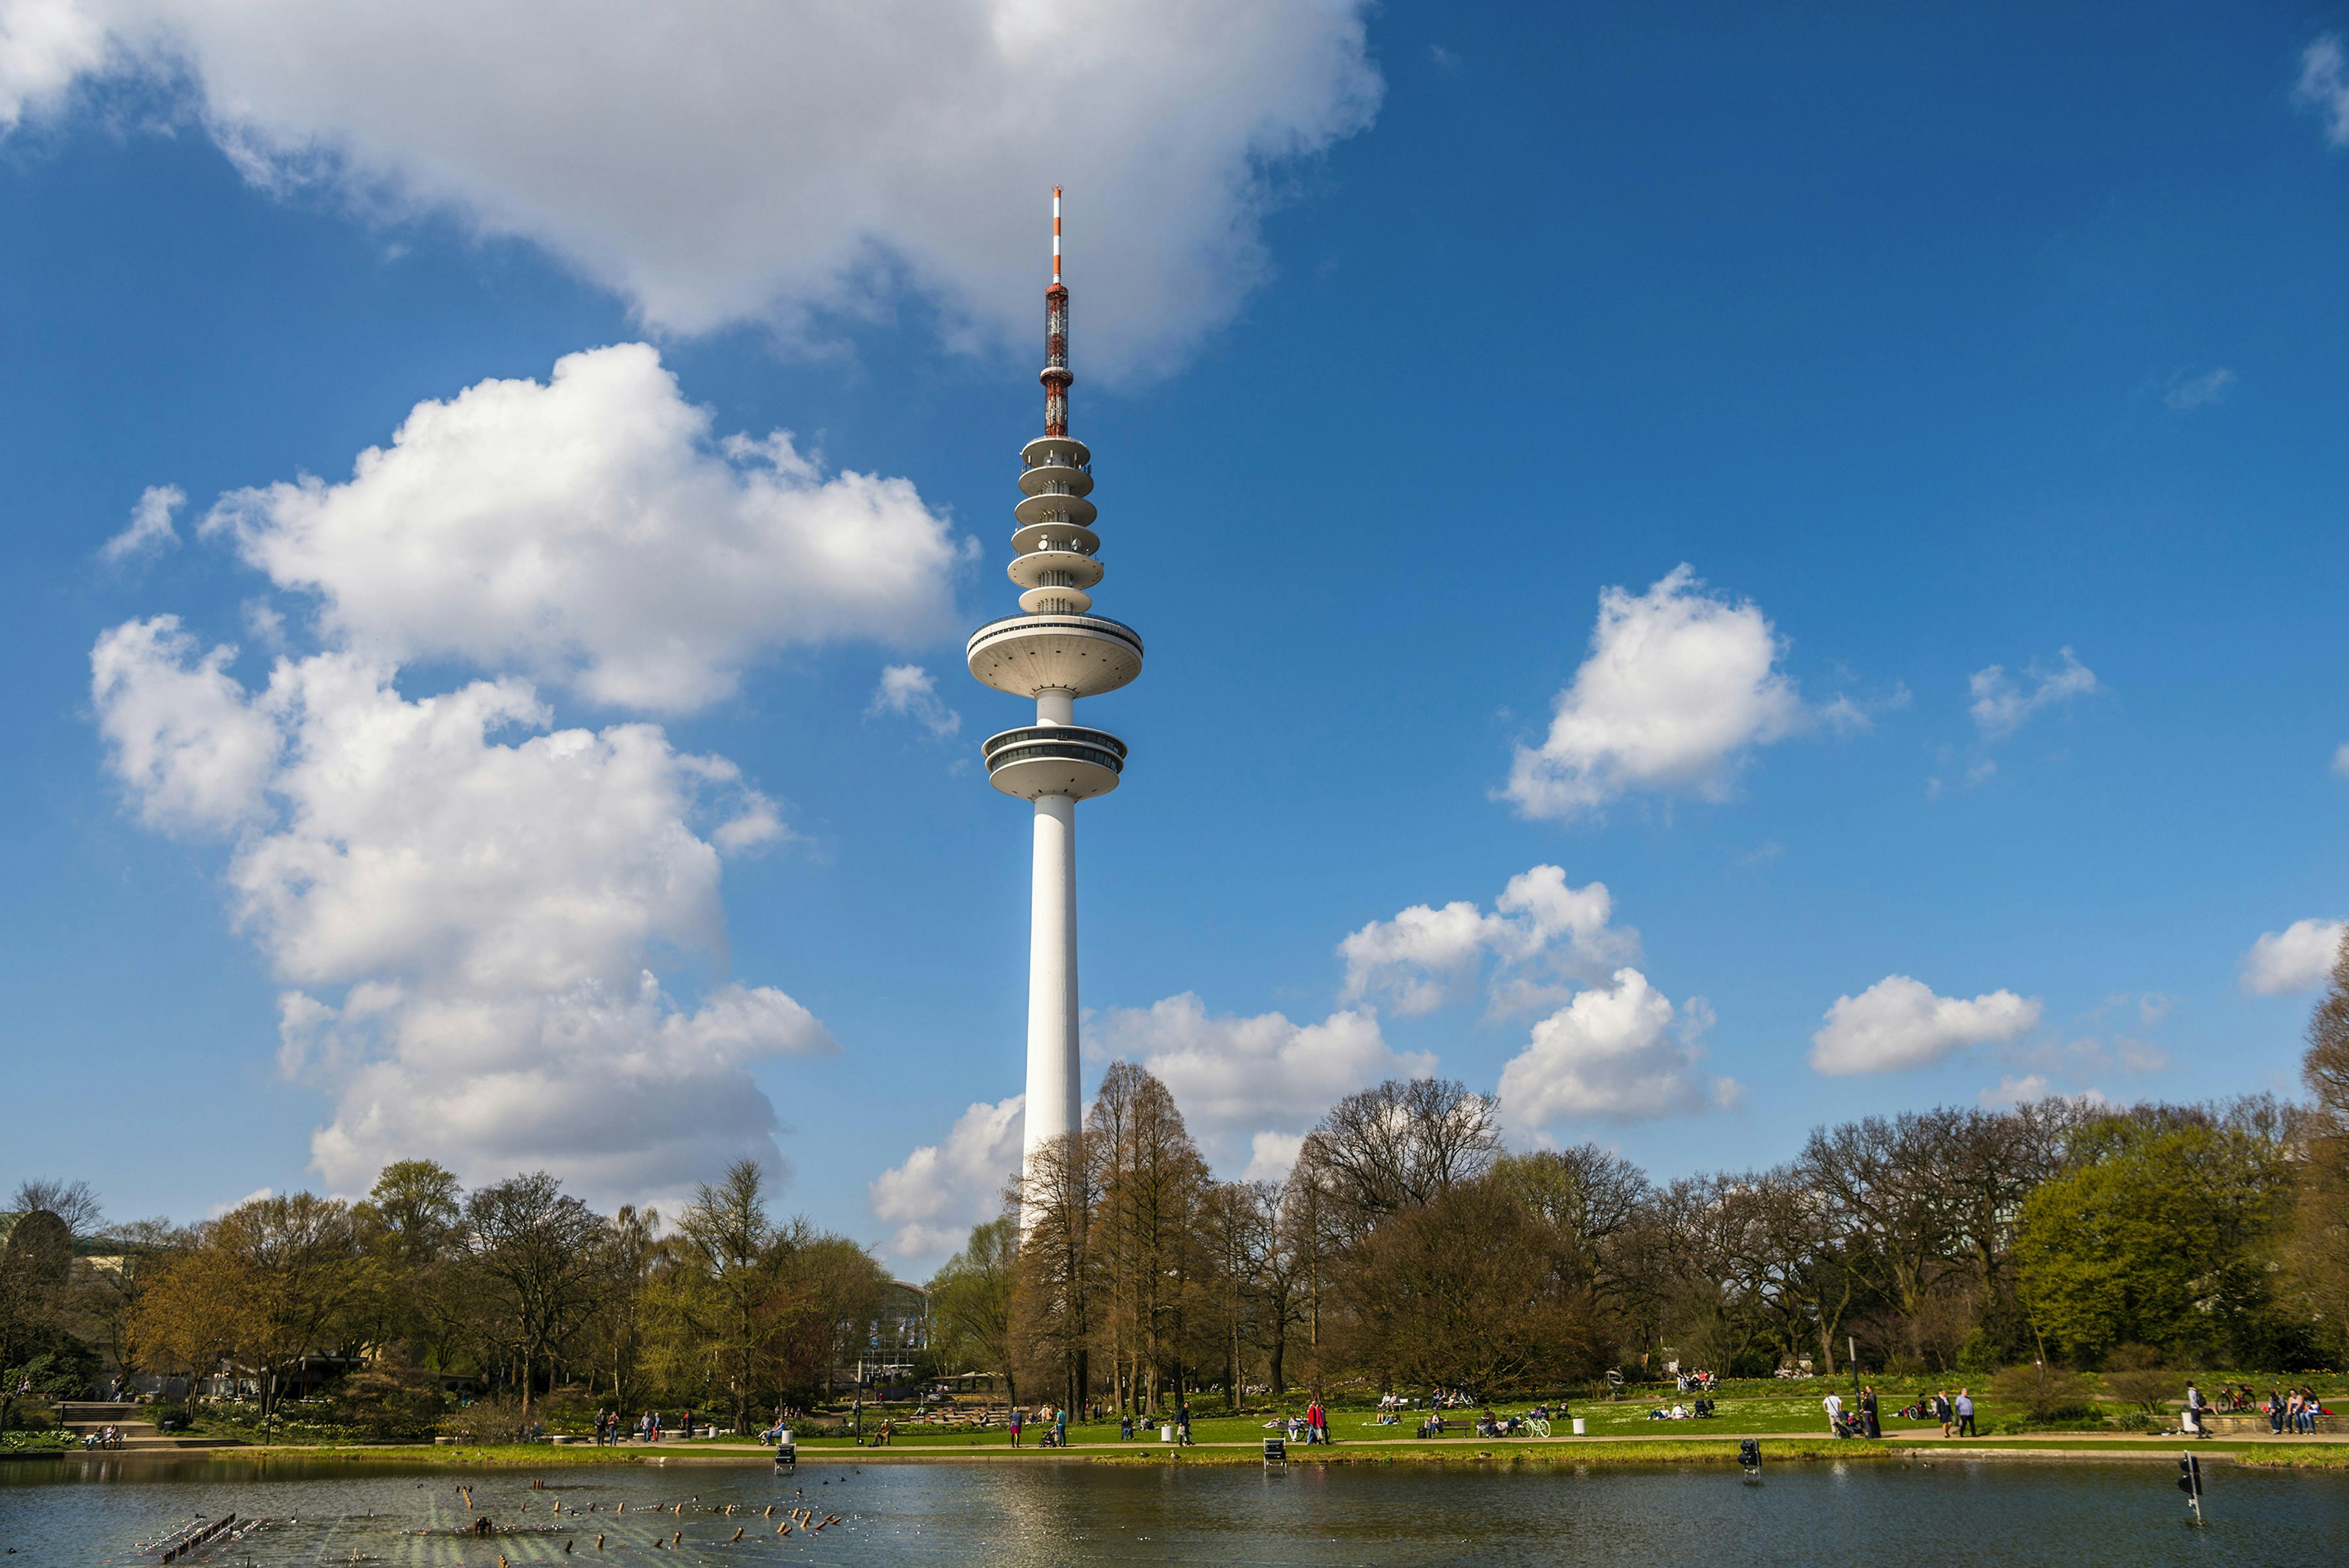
pixel 1056 233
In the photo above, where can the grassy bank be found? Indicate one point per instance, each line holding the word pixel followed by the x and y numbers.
pixel 1571 1453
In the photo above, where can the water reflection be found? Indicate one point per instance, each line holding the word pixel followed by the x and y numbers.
pixel 96 1510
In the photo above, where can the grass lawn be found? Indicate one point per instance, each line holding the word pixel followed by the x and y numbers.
pixel 1794 1415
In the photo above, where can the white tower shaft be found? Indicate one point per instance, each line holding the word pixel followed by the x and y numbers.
pixel 1053 1090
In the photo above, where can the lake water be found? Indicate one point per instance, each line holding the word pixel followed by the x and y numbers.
pixel 98 1511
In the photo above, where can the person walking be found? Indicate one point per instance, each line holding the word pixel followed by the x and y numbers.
pixel 1015 1426
pixel 1965 1409
pixel 1941 1412
pixel 1868 1410
pixel 1060 1429
pixel 1182 1424
pixel 1832 1405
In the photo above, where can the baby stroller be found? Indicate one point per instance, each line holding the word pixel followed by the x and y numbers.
pixel 1851 1423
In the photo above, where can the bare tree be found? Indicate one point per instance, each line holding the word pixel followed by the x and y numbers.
pixel 1590 1195
pixel 2320 1249
pixel 1472 1290
pixel 539 1250
pixel 1053 1298
pixel 1399 1145
pixel 1235 1223
pixel 1148 1177
pixel 73 1202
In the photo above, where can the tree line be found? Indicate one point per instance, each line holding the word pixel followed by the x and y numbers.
pixel 506 1293
pixel 1408 1249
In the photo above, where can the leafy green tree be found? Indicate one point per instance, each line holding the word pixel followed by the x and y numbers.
pixel 409 1228
pixel 2159 1239
pixel 970 1303
pixel 741 1297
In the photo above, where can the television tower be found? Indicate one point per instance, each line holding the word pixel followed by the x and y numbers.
pixel 1054 650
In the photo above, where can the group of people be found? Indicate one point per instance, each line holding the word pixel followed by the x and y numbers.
pixel 1695 1382
pixel 1863 1419
pixel 1697 1410
pixel 1055 1422
pixel 2296 1411
pixel 645 1428
pixel 108 1437
pixel 1312 1427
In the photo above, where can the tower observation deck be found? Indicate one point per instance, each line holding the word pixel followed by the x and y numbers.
pixel 1054 650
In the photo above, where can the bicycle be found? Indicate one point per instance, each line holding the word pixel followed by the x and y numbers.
pixel 1538 1427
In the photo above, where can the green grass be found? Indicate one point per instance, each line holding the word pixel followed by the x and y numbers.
pixel 1798 1415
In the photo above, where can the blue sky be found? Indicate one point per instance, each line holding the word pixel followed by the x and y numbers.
pixel 1933 345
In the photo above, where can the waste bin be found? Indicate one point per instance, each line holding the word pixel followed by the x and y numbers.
pixel 1166 1434
pixel 1577 1427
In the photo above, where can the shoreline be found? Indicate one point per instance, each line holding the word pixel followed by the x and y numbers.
pixel 2309 1453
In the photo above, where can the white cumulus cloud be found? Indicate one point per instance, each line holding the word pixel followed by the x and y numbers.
pixel 942 1189
pixel 715 161
pixel 43 45
pixel 151 527
pixel 1898 1023
pixel 1679 688
pixel 1236 1076
pixel 465 905
pixel 2298 958
pixel 1540 926
pixel 1271 1156
pixel 2002 705
pixel 1616 1053
pixel 179 730
pixel 909 691
pixel 589 531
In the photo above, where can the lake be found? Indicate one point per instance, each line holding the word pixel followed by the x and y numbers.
pixel 98 1509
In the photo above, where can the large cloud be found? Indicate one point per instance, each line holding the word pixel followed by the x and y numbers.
pixel 715 161
pixel 1540 926
pixel 2298 958
pixel 1614 1054
pixel 43 45
pixel 466 922
pixel 589 531
pixel 1679 688
pixel 1898 1023
pixel 1236 1076
pixel 942 1189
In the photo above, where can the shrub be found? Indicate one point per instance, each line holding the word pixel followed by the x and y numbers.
pixel 2144 1389
pixel 2045 1393
pixel 389 1402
